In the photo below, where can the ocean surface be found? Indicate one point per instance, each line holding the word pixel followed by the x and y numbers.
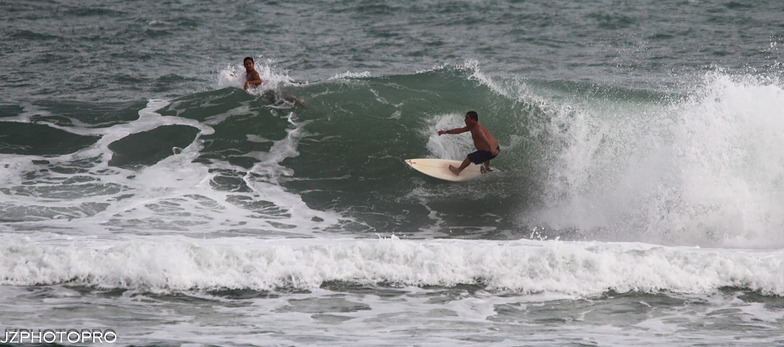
pixel 639 199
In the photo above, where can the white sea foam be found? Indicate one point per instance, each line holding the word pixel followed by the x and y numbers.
pixel 272 78
pixel 707 170
pixel 350 75
pixel 446 146
pixel 563 268
pixel 174 194
pixel 182 186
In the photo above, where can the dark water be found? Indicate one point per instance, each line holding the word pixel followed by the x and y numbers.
pixel 637 199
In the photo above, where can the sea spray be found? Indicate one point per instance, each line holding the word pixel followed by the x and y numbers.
pixel 699 170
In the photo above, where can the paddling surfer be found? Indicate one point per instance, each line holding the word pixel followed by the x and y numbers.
pixel 251 75
pixel 486 145
pixel 253 79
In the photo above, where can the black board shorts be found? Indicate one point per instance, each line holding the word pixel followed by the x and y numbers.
pixel 479 157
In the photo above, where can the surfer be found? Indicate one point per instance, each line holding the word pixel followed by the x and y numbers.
pixel 252 78
pixel 486 145
pixel 251 75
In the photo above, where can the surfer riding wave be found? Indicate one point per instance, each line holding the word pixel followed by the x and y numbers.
pixel 487 146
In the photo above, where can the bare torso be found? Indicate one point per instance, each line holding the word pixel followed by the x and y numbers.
pixel 478 142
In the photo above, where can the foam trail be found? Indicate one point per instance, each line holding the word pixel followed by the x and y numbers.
pixel 268 167
pixel 174 194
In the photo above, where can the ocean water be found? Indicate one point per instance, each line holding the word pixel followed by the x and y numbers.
pixel 148 199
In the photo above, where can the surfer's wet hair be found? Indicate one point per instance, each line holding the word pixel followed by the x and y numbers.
pixel 248 58
pixel 473 115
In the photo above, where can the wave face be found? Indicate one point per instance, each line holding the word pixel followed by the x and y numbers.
pixel 579 161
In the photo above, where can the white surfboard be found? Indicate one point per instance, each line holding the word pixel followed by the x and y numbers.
pixel 439 168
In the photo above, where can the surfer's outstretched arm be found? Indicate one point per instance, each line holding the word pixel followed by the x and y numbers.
pixel 453 131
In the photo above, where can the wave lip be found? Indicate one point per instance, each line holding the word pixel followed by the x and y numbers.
pixel 580 269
